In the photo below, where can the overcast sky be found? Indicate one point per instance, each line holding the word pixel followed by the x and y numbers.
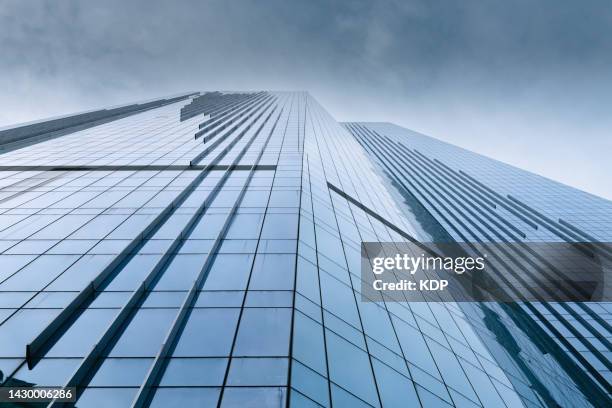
pixel 528 83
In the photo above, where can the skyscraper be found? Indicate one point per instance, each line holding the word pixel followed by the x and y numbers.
pixel 205 250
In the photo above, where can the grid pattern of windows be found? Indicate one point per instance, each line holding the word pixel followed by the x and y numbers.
pixel 207 253
pixel 477 199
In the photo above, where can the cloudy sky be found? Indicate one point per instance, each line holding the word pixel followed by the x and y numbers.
pixel 528 83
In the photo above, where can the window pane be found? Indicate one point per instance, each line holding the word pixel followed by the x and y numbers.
pixel 395 389
pixel 280 226
pixel 144 334
pixel 181 272
pixel 116 372
pixel 38 273
pixel 356 377
pixel 132 275
pixel 273 272
pixel 84 332
pixel 229 272
pixel 341 398
pixel 208 332
pixel 253 397
pixel 185 397
pixel 310 383
pixel 106 397
pixel 258 371
pixel 48 372
pixel 263 332
pixel 245 226
pixel 21 328
pixel 308 343
pixel 194 372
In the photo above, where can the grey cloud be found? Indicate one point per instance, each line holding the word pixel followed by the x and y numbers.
pixel 525 82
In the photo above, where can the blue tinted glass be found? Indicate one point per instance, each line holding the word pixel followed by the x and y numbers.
pixel 82 335
pixel 131 276
pixel 144 334
pixel 263 332
pixel 245 226
pixel 21 328
pixel 329 244
pixel 280 226
pixel 219 299
pixel 209 226
pixel 258 371
pixel 339 299
pixel 482 385
pixel 310 383
pixel 395 389
pixel 284 198
pixel 429 399
pixel 273 272
pixel 307 279
pixel 33 247
pixel 376 323
pixel 269 299
pixel 246 397
pixel 414 347
pixel 451 370
pixel 81 273
pixel 255 199
pixel 308 343
pixel 342 398
pixel 106 397
pixel 121 372
pixel 208 332
pixel 229 272
pixel 298 400
pixel 30 278
pixel 181 272
pixel 194 372
pixel 48 372
pixel 8 365
pixel 12 263
pixel 355 377
pixel 45 300
pixel 185 397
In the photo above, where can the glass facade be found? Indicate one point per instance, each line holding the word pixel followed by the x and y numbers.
pixel 206 253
